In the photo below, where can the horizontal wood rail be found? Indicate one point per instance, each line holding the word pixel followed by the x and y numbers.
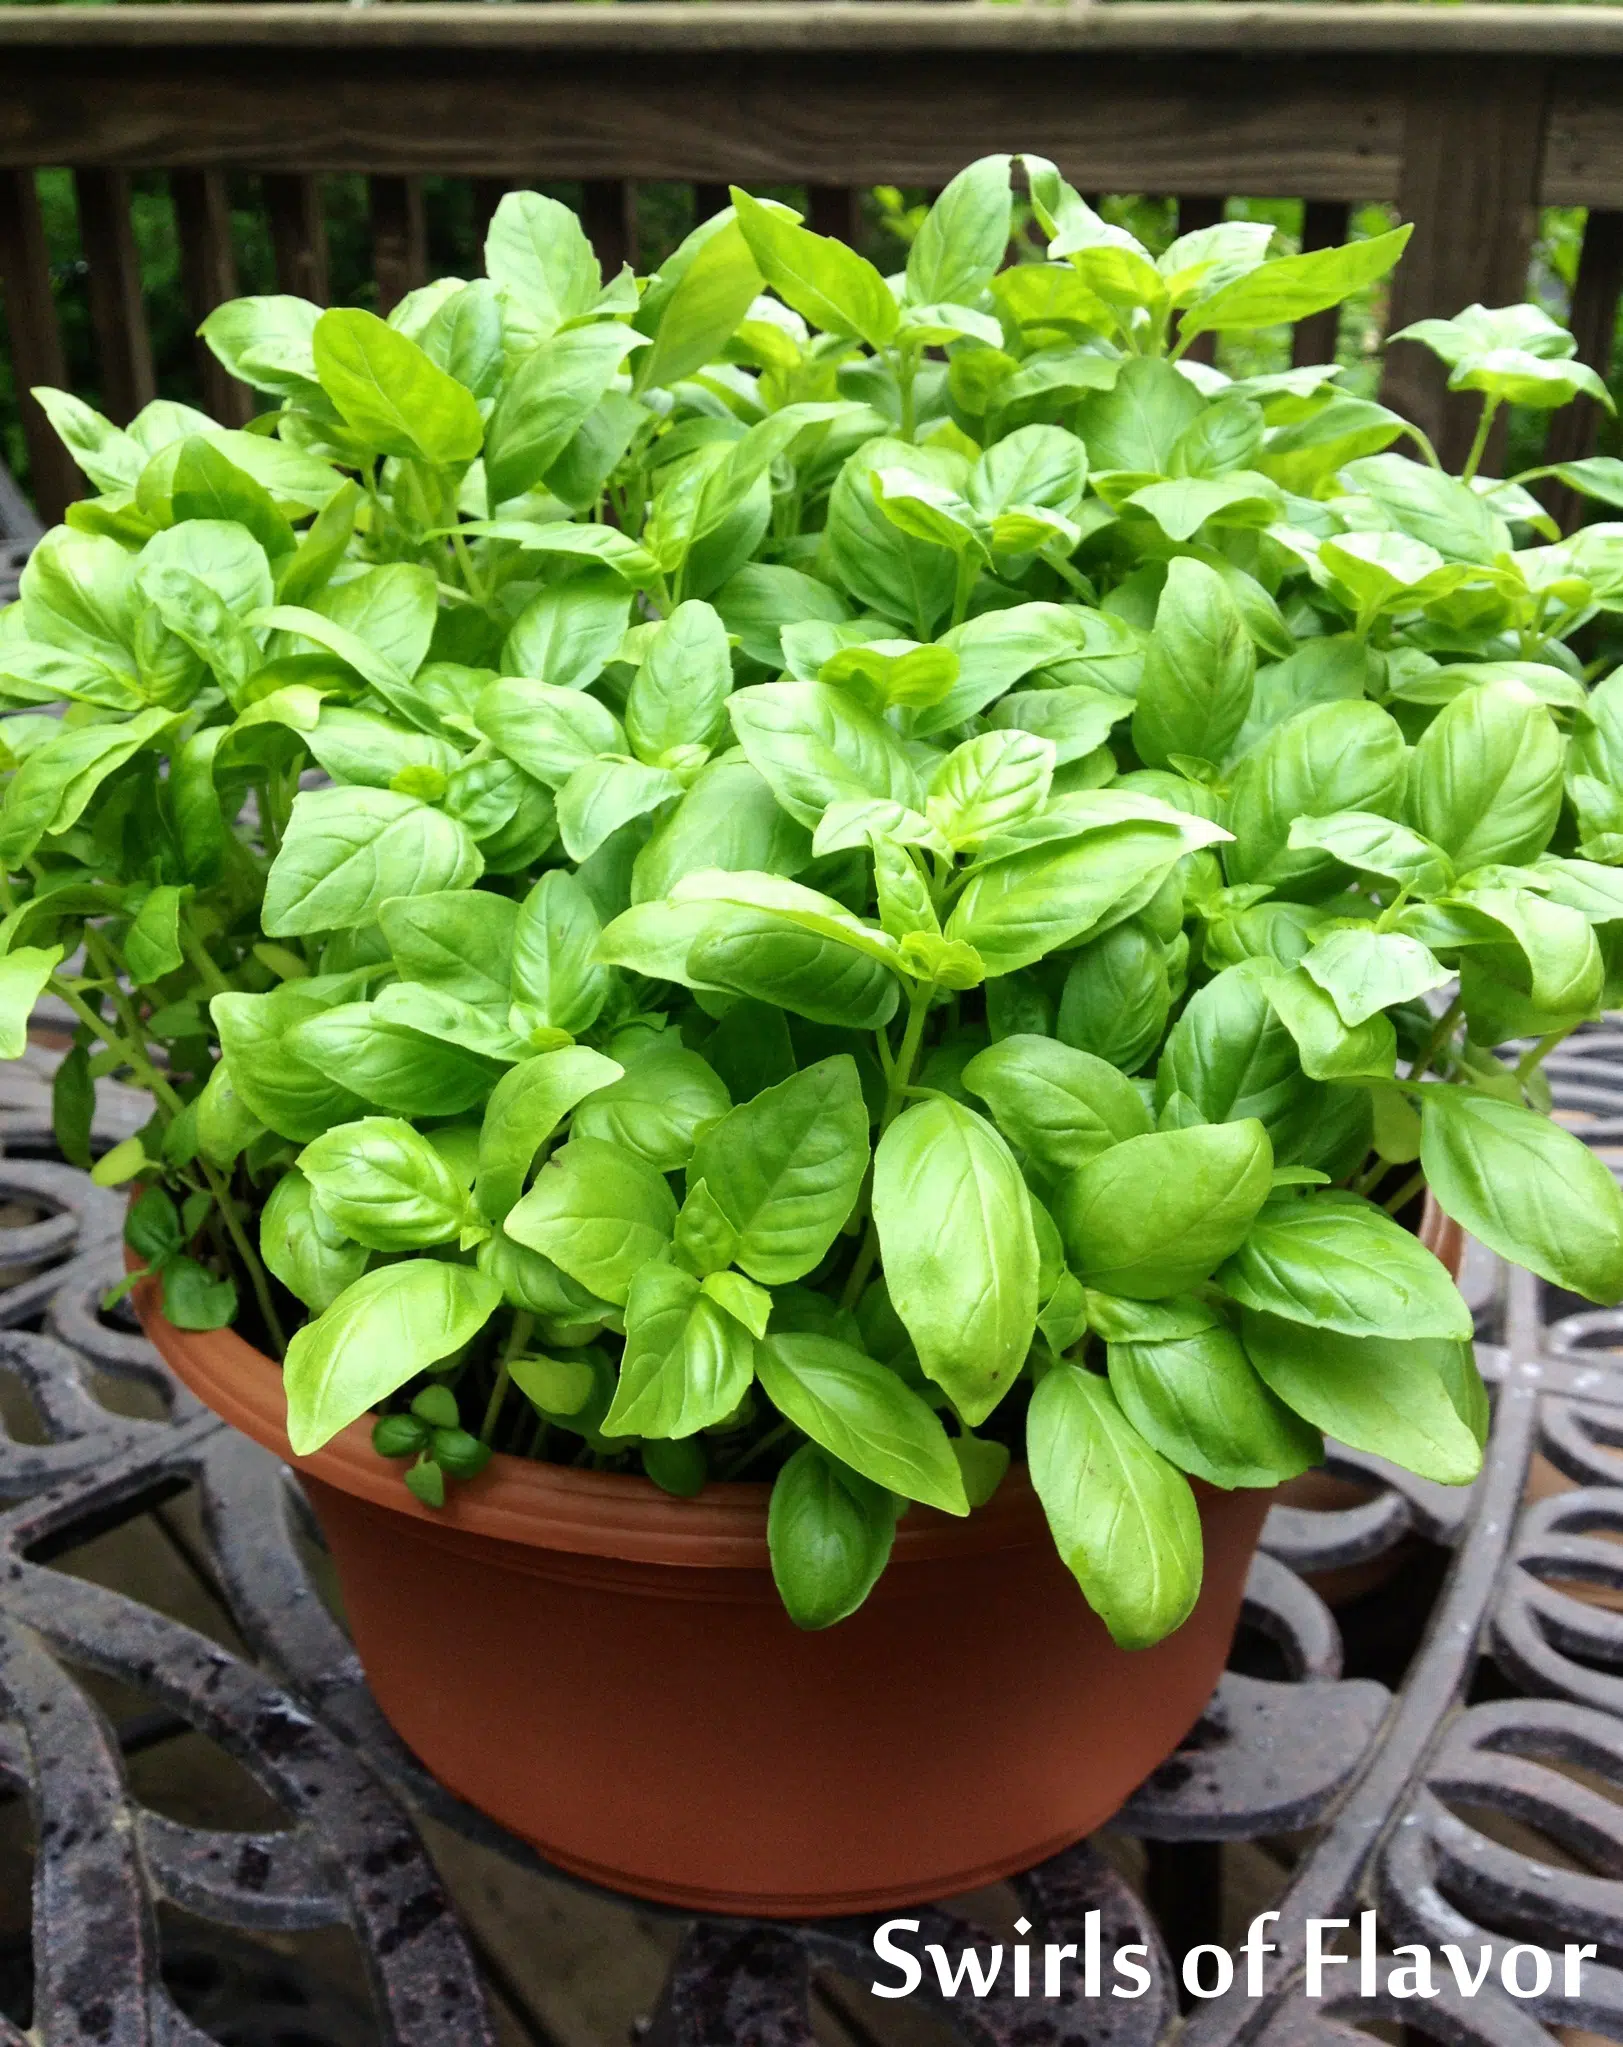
pixel 1467 119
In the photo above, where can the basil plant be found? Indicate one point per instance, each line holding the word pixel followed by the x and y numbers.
pixel 771 872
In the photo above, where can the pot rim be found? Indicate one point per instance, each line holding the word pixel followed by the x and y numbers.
pixel 586 1513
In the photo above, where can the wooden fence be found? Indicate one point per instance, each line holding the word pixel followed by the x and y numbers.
pixel 1467 118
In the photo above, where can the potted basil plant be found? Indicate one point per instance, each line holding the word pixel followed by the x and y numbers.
pixel 803 944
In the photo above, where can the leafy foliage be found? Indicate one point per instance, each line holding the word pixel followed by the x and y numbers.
pixel 776 871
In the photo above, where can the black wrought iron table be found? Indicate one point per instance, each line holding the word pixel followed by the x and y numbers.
pixel 1471 1796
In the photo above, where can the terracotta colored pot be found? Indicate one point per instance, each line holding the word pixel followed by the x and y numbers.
pixel 608 1671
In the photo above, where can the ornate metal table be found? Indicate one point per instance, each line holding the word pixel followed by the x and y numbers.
pixel 1464 1784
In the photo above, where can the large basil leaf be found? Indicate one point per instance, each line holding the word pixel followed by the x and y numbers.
pixel 391 394
pixel 1486 780
pixel 569 631
pixel 964 237
pixel 288 1094
pixel 385 1185
pixel 379 1333
pixel 960 1250
pixel 884 568
pixel 299 1242
pixel 687 1363
pixel 1017 910
pixel 347 851
pixel 546 400
pixel 680 691
pixel 525 1108
pixel 658 1109
pixel 1116 996
pixel 815 746
pixel 547 730
pixel 54 785
pixel 557 983
pixel 729 818
pixel 1198 1399
pixel 599 1213
pixel 1332 757
pixel 1060 1106
pixel 1374 1393
pixel 1156 1215
pixel 457 940
pixel 863 1414
pixel 1529 1189
pixel 785 1169
pixel 1123 1520
pixel 758 953
pixel 829 1533
pixel 390 1064
pixel 1337 1262
pixel 818 276
pixel 1199 670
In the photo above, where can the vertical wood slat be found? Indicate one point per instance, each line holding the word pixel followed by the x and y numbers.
pixel 834 210
pixel 1473 137
pixel 1197 211
pixel 399 238
pixel 113 280
pixel 608 211
pixel 208 271
pixel 1593 320
pixel 298 226
pixel 1324 226
pixel 708 201
pixel 36 338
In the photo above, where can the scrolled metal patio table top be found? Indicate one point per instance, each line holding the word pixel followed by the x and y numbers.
pixel 1512 1703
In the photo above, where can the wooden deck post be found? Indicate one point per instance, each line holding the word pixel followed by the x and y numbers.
pixel 36 339
pixel 1472 154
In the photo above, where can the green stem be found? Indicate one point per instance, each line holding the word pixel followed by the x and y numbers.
pixel 1439 1037
pixel 769 1441
pixel 464 557
pixel 1535 1055
pixel 1490 408
pixel 896 1086
pixel 198 953
pixel 906 371
pixel 1406 1193
pixel 257 1277
pixel 967 571
pixel 518 1336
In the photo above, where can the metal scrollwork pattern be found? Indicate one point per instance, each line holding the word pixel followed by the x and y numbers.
pixel 1424 1793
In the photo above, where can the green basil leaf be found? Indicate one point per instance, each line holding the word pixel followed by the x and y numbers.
pixel 729 818
pixel 820 277
pixel 1199 672
pixel 302 1245
pixel 557 981
pixel 546 400
pixel 1328 1047
pixel 1156 1215
pixel 1200 1402
pixel 785 1169
pixel 829 1533
pixel 1374 1393
pixel 885 569
pixel 959 1249
pixel 964 237
pixel 814 746
pixel 391 1064
pixel 1329 758
pixel 603 795
pixel 1485 784
pixel 1124 1521
pixel 53 788
pixel 1336 1262
pixel 1059 1105
pixel 347 851
pixel 1295 287
pixel 381 1332
pixel 1527 1188
pixel 390 393
pixel 382 1183
pixel 679 694
pixel 538 257
pixel 1363 971
pixel 287 1093
pixel 459 941
pixel 657 1110
pixel 861 1413
pixel 759 953
pixel 525 1108
pixel 23 975
pixel 568 631
pixel 687 1363
pixel 548 731
pixel 599 1213
pixel 1117 996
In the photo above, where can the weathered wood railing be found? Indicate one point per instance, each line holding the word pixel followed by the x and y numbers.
pixel 1466 118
